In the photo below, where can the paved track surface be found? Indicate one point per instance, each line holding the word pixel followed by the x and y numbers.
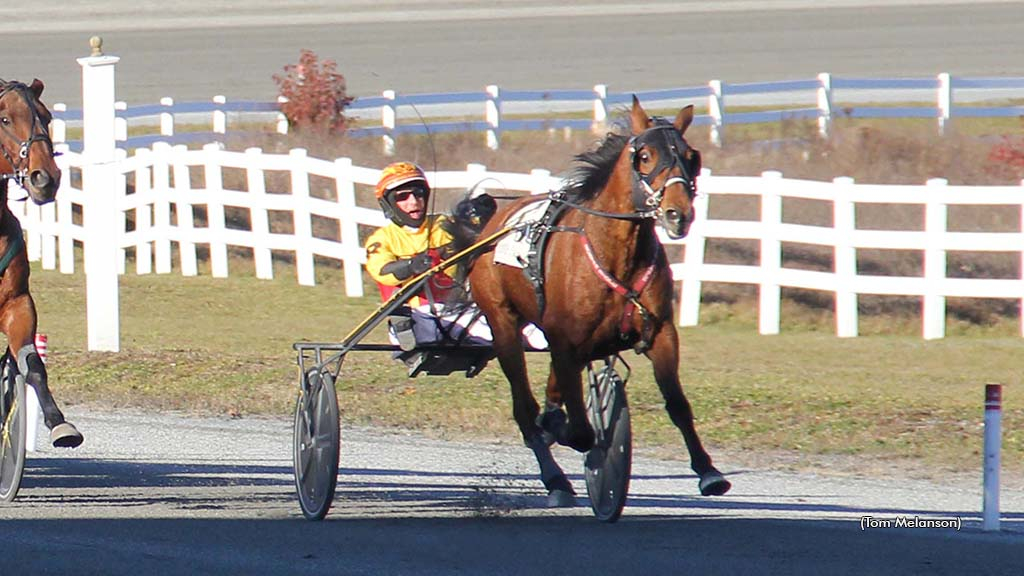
pixel 194 49
pixel 164 494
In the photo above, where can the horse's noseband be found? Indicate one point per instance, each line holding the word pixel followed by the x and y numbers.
pixel 670 147
pixel 37 133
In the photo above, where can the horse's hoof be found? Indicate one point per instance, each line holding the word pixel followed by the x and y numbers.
pixel 65 435
pixel 714 484
pixel 561 499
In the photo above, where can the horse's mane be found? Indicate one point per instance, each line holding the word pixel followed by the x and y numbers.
pixel 594 168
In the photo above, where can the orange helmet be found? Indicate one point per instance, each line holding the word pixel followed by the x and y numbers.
pixel 398 173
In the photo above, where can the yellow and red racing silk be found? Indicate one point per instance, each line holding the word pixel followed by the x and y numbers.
pixel 393 242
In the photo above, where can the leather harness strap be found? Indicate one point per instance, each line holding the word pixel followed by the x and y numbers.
pixel 14 246
pixel 632 294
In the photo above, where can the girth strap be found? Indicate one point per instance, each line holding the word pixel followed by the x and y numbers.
pixel 15 245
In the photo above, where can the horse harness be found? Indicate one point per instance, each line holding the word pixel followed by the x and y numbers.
pixel 37 133
pixel 15 244
pixel 646 205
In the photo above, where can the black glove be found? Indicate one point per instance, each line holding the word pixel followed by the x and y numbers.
pixel 408 267
pixel 421 263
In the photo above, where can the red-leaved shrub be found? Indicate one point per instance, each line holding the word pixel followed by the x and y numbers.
pixel 1007 157
pixel 316 94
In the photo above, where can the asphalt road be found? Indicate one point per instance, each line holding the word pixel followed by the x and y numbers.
pixel 194 49
pixel 165 494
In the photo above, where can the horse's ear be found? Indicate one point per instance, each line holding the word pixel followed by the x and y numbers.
pixel 36 87
pixel 638 119
pixel 683 119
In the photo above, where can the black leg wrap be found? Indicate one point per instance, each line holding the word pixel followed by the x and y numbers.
pixel 32 368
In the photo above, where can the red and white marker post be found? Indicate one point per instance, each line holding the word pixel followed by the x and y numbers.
pixel 993 441
pixel 32 401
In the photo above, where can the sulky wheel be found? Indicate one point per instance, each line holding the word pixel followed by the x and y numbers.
pixel 607 464
pixel 12 431
pixel 316 444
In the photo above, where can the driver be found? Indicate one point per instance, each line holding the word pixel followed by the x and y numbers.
pixel 413 241
pixel 410 244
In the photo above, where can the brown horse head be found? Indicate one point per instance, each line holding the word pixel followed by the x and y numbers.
pixel 665 168
pixel 26 151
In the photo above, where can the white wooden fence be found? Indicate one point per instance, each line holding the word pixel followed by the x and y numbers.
pixel 163 177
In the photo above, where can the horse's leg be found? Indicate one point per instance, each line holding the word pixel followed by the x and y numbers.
pixel 565 386
pixel 19 323
pixel 509 349
pixel 664 355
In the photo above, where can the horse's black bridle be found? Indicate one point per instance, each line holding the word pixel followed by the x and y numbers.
pixel 646 200
pixel 671 148
pixel 38 132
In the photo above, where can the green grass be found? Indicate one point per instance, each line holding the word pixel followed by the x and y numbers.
pixel 223 346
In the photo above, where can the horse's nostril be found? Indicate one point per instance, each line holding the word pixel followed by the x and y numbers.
pixel 39 179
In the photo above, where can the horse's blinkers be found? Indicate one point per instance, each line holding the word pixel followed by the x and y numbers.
pixel 671 147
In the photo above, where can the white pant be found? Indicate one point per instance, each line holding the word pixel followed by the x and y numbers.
pixel 426 329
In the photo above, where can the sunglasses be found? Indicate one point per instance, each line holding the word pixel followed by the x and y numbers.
pixel 403 195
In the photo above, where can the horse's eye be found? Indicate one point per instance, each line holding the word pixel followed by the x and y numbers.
pixel 5 120
pixel 645 156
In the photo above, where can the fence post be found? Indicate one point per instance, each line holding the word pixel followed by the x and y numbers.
pixel 120 123
pixel 59 127
pixel 771 255
pixel 259 219
pixel 301 218
pixel 120 217
pixel 167 118
pixel 184 211
pixel 144 212
pixel 824 104
pixel 600 107
pixel 716 109
pixel 65 215
pixel 493 116
pixel 162 207
pixel 282 120
pixel 693 260
pixel 220 118
pixel 215 210
pixel 387 120
pixel 844 222
pixel 945 98
pixel 934 312
pixel 354 255
pixel 99 191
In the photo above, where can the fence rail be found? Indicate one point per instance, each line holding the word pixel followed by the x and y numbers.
pixel 823 98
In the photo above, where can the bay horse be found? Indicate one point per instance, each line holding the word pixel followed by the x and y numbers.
pixel 601 284
pixel 26 156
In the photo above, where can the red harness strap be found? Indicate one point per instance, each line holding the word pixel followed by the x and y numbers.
pixel 632 295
